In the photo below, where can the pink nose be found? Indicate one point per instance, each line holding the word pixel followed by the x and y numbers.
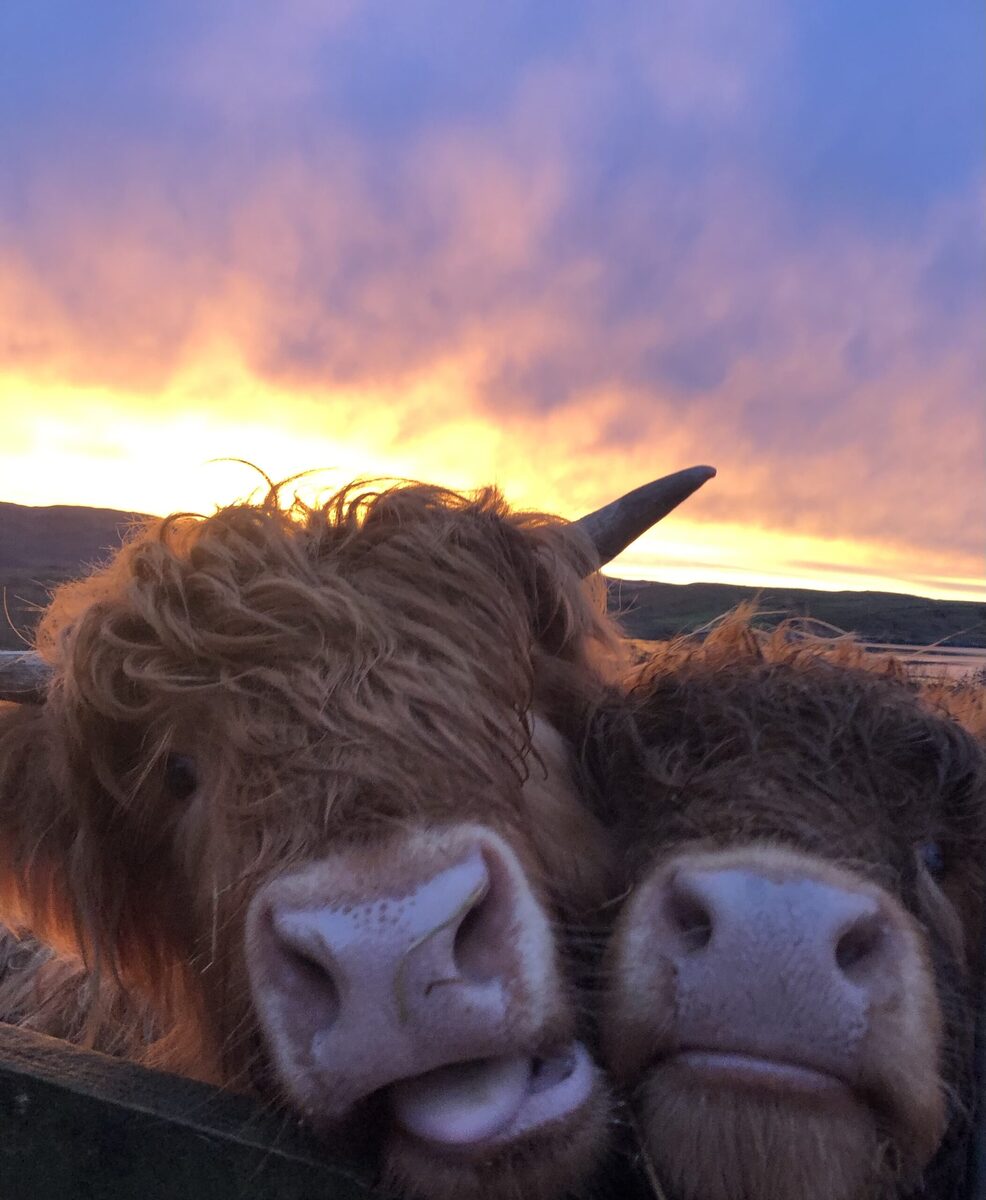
pixel 396 958
pixel 807 923
pixel 370 967
pixel 775 963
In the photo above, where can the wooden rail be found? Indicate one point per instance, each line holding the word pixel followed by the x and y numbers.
pixel 81 1126
pixel 22 676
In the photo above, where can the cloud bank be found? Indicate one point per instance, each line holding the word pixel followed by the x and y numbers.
pixel 744 233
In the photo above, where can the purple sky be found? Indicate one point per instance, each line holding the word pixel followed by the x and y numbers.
pixel 745 233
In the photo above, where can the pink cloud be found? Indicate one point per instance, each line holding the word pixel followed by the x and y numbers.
pixel 819 370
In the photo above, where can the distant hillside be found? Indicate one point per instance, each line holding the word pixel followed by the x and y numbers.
pixel 654 611
pixel 40 547
pixel 62 536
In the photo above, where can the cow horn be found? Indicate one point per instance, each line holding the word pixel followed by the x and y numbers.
pixel 24 676
pixel 613 527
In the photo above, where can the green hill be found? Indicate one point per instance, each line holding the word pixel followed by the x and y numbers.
pixel 654 611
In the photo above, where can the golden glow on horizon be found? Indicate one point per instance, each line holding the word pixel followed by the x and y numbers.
pixel 66 444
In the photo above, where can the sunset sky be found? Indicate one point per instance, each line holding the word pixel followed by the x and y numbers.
pixel 561 246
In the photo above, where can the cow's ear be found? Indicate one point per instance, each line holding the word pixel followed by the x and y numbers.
pixel 36 826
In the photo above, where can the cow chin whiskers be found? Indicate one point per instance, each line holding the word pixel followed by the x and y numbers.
pixel 706 1144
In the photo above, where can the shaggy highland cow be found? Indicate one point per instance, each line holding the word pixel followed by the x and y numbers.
pixel 793 980
pixel 296 813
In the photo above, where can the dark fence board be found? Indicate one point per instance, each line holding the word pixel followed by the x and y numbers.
pixel 82 1126
pixel 75 1125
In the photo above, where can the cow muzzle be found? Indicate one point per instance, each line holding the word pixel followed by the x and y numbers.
pixel 765 980
pixel 421 971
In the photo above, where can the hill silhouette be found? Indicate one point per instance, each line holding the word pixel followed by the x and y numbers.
pixel 42 547
pixel 655 611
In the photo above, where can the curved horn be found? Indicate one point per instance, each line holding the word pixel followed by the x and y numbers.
pixel 613 527
pixel 24 676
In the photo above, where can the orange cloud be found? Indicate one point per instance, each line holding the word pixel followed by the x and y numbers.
pixel 458 304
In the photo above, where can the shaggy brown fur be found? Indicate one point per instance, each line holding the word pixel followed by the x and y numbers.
pixel 764 740
pixel 331 672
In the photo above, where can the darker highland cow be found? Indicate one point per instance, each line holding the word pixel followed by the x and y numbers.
pixel 793 981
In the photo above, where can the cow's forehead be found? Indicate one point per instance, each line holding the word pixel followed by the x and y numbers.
pixel 250 587
pixel 823 755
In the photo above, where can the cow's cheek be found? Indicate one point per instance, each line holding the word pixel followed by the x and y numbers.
pixel 638 1015
pixel 903 1055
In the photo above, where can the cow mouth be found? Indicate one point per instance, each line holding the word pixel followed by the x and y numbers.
pixel 492 1102
pixel 759 1072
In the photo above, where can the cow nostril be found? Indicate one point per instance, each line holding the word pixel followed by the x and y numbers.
pixel 478 945
pixel 689 917
pixel 859 944
pixel 313 986
pixel 307 970
pixel 304 974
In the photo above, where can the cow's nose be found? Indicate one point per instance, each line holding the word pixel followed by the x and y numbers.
pixel 370 968
pixel 796 920
pixel 395 953
pixel 776 963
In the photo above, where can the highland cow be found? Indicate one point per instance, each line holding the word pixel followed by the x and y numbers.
pixel 792 982
pixel 297 802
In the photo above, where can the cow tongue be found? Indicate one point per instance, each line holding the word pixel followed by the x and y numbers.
pixel 465 1102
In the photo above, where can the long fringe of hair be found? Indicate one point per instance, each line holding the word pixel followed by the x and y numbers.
pixel 332 668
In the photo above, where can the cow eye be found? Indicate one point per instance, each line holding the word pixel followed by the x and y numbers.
pixel 933 858
pixel 179 776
